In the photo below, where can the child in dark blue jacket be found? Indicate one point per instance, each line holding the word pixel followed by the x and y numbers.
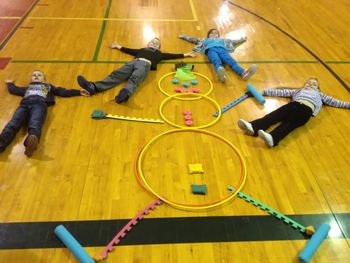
pixel 33 109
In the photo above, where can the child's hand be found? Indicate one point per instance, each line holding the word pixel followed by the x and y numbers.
pixel 9 81
pixel 84 93
pixel 115 46
pixel 190 54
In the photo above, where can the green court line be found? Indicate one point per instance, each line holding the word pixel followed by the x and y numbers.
pixel 337 62
pixel 102 32
pixel 18 61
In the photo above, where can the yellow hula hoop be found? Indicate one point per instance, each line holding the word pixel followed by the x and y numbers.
pixel 167 94
pixel 189 94
pixel 143 182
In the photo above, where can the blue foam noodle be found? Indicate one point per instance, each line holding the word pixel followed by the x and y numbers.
pixel 256 93
pixel 73 245
pixel 314 243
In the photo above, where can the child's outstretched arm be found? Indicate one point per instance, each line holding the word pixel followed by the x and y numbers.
pixel 115 45
pixel 232 44
pixel 330 101
pixel 59 91
pixel 126 50
pixel 165 56
pixel 279 92
pixel 13 89
pixel 237 41
pixel 190 55
pixel 193 40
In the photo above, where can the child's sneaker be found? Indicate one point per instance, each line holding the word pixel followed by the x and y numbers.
pixel 222 74
pixel 267 137
pixel 123 96
pixel 31 143
pixel 86 85
pixel 2 144
pixel 246 126
pixel 249 72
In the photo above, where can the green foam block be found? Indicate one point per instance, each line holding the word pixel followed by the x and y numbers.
pixel 98 114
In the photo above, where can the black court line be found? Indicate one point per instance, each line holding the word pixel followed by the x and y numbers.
pixel 9 36
pixel 296 41
pixel 166 230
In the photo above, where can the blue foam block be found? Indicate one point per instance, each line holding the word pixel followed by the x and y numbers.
pixel 256 93
pixel 73 245
pixel 314 242
pixel 199 189
pixel 175 81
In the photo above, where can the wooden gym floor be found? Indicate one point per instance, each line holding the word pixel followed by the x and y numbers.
pixel 82 175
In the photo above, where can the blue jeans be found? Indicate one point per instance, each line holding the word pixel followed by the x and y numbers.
pixel 219 56
pixel 32 110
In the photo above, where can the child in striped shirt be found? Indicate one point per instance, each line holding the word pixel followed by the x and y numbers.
pixel 306 102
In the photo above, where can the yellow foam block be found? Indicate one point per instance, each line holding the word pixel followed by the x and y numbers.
pixel 195 168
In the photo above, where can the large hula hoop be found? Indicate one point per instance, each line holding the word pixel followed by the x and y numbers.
pixel 167 94
pixel 195 207
pixel 189 94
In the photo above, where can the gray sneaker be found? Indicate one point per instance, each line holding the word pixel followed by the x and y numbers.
pixel 266 137
pixel 249 72
pixel 222 74
pixel 246 126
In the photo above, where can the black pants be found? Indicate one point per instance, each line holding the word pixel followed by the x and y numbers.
pixel 32 110
pixel 291 116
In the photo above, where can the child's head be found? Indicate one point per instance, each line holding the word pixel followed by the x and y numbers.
pixel 38 76
pixel 312 83
pixel 213 33
pixel 154 43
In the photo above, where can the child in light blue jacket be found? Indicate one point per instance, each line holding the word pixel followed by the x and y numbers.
pixel 218 52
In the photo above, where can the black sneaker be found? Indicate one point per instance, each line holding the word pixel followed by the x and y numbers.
pixel 123 96
pixel 2 145
pixel 86 85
